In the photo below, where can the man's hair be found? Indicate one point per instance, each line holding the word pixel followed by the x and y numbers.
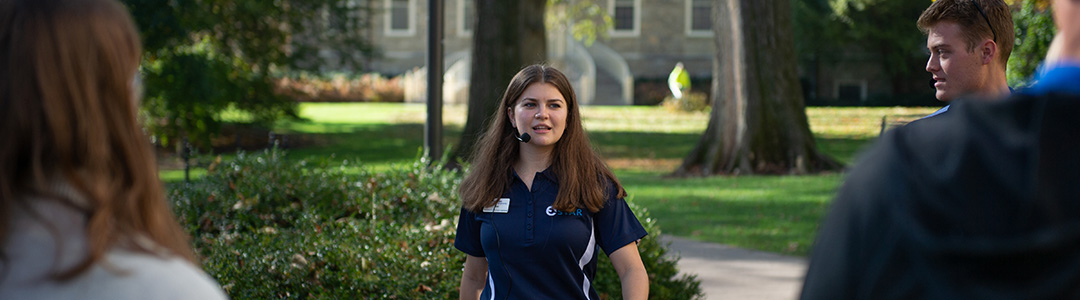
pixel 997 23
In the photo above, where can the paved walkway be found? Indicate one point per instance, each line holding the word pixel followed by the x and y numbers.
pixel 731 273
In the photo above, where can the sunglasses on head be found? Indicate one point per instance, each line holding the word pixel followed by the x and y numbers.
pixel 981 12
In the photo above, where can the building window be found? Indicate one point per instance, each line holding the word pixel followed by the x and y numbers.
pixel 851 91
pixel 399 18
pixel 626 14
pixel 699 17
pixel 466 17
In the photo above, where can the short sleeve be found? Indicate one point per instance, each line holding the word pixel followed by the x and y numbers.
pixel 468 234
pixel 616 225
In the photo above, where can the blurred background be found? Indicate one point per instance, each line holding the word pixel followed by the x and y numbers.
pixel 351 208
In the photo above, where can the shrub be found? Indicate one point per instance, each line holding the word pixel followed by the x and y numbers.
pixel 650 92
pixel 268 227
pixel 653 91
pixel 341 88
pixel 692 102
pixel 1034 32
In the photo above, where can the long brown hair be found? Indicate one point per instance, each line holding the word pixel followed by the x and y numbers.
pixel 583 177
pixel 68 112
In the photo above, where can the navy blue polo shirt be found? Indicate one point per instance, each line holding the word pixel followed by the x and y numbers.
pixel 537 252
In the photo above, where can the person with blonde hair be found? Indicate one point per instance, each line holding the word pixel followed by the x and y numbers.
pixel 539 202
pixel 83 214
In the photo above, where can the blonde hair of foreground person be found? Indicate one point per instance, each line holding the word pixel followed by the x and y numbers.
pixel 78 179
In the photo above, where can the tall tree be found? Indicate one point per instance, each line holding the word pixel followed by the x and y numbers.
pixel 758 123
pixel 508 36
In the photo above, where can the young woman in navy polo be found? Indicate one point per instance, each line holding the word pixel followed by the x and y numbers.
pixel 539 202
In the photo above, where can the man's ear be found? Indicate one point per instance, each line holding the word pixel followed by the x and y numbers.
pixel 988 50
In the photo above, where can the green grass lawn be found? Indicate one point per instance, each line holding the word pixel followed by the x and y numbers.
pixel 642 144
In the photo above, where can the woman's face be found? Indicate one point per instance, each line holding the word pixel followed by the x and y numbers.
pixel 541 112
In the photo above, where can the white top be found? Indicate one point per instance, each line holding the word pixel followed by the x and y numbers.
pixel 32 251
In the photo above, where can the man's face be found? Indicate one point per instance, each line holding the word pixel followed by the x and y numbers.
pixel 956 71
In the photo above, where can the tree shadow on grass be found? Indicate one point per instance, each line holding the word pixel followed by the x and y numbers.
pixel 632 144
pixel 395 143
pixel 772 213
pixel 367 144
pixel 373 143
pixel 675 146
pixel 845 150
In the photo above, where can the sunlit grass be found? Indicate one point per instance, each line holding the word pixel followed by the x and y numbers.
pixel 177 175
pixel 651 119
pixel 771 213
pixel 856 122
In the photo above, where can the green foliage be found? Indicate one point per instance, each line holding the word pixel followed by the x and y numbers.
pixel 1034 32
pixel 204 56
pixel 585 19
pixel 862 31
pixel 887 28
pixel 180 104
pixel 817 30
pixel 268 227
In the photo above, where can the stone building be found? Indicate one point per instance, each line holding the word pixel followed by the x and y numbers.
pixel 649 37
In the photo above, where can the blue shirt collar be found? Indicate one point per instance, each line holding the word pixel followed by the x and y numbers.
pixel 548 173
pixel 938 112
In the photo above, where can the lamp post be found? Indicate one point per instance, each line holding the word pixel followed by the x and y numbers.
pixel 433 128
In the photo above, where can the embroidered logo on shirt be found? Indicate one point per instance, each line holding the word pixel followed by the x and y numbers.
pixel 551 212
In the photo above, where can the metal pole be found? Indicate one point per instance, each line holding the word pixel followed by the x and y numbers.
pixel 433 130
pixel 186 153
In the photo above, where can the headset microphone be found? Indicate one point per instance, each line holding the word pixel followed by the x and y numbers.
pixel 524 138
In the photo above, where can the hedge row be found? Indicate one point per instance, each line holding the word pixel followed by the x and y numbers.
pixel 268 227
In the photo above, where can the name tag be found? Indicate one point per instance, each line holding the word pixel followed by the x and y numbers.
pixel 501 207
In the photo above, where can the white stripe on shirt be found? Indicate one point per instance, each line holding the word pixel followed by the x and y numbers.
pixel 491 283
pixel 587 257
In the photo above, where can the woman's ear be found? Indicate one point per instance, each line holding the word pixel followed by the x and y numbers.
pixel 510 115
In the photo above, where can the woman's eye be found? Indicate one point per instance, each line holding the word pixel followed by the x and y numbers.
pixel 530 105
pixel 554 105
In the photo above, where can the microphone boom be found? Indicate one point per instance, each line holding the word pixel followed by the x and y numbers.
pixel 524 138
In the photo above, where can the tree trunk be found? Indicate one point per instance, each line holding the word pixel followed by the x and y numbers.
pixel 508 36
pixel 758 123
